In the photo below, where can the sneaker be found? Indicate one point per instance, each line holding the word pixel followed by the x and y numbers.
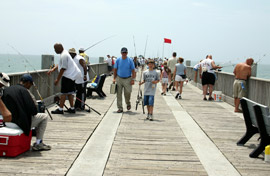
pixel 151 117
pixel 177 95
pixel 173 89
pixel 57 111
pixel 147 117
pixel 162 93
pixel 41 146
pixel 204 99
pixel 73 111
pixel 210 99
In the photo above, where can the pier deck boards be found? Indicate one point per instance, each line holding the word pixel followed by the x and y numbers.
pixel 142 147
pixel 152 148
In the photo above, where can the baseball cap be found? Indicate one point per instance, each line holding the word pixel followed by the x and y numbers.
pixel 124 50
pixel 27 77
pixel 151 61
pixel 4 79
pixel 72 50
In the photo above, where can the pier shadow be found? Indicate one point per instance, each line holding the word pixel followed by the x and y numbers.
pixel 131 113
pixel 254 146
pixel 29 154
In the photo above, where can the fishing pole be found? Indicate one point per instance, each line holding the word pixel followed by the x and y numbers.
pixel 88 106
pixel 134 45
pixel 99 42
pixel 33 81
pixel 42 99
pixel 260 59
pixel 145 46
pixel 139 96
pixel 20 54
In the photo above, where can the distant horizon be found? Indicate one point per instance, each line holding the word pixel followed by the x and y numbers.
pixel 225 62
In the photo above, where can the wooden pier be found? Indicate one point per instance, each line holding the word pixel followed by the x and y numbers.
pixel 141 147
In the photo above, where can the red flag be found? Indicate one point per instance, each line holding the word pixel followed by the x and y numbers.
pixel 167 40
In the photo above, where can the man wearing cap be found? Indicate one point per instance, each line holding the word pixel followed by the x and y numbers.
pixel 4 82
pixel 124 75
pixel 68 73
pixel 84 55
pixel 40 120
pixel 82 81
pixel 23 111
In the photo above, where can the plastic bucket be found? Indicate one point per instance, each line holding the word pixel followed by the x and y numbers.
pixel 217 96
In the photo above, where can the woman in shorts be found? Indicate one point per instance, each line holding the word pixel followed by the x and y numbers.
pixel 179 77
pixel 165 77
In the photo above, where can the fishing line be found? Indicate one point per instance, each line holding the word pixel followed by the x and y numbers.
pixel 99 42
pixel 260 59
pixel 145 46
pixel 30 65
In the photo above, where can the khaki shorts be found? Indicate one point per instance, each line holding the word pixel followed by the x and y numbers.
pixel 238 91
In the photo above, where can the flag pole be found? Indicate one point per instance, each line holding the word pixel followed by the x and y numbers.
pixel 163 51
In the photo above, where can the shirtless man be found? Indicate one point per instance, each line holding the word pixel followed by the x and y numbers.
pixel 242 72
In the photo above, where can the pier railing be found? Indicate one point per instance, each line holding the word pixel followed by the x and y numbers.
pixel 258 89
pixel 45 83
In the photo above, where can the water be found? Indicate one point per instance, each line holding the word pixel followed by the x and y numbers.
pixel 12 63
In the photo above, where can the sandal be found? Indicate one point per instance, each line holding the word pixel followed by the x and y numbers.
pixel 128 107
pixel 119 111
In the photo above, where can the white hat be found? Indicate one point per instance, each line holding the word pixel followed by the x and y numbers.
pixel 81 49
pixel 4 79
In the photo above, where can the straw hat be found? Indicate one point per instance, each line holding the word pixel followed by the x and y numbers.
pixel 72 50
pixel 4 79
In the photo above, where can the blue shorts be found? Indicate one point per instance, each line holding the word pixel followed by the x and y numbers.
pixel 149 100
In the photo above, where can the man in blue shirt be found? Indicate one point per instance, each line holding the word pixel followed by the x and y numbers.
pixel 124 75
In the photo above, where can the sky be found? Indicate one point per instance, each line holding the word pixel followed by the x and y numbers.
pixel 230 30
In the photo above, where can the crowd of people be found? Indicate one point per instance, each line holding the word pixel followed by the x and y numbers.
pixel 19 106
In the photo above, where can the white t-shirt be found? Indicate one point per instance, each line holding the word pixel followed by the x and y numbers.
pixel 71 69
pixel 207 65
pixel 77 59
pixel 109 61
pixel 171 63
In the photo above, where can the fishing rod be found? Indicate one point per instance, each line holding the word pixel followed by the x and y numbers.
pixel 42 99
pixel 145 46
pixel 134 45
pixel 260 59
pixel 33 81
pixel 139 96
pixel 88 106
pixel 99 42
pixel 20 54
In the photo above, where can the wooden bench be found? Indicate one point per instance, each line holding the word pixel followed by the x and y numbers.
pixel 257 120
pixel 99 87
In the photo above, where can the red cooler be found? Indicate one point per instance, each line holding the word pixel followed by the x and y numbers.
pixel 13 141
